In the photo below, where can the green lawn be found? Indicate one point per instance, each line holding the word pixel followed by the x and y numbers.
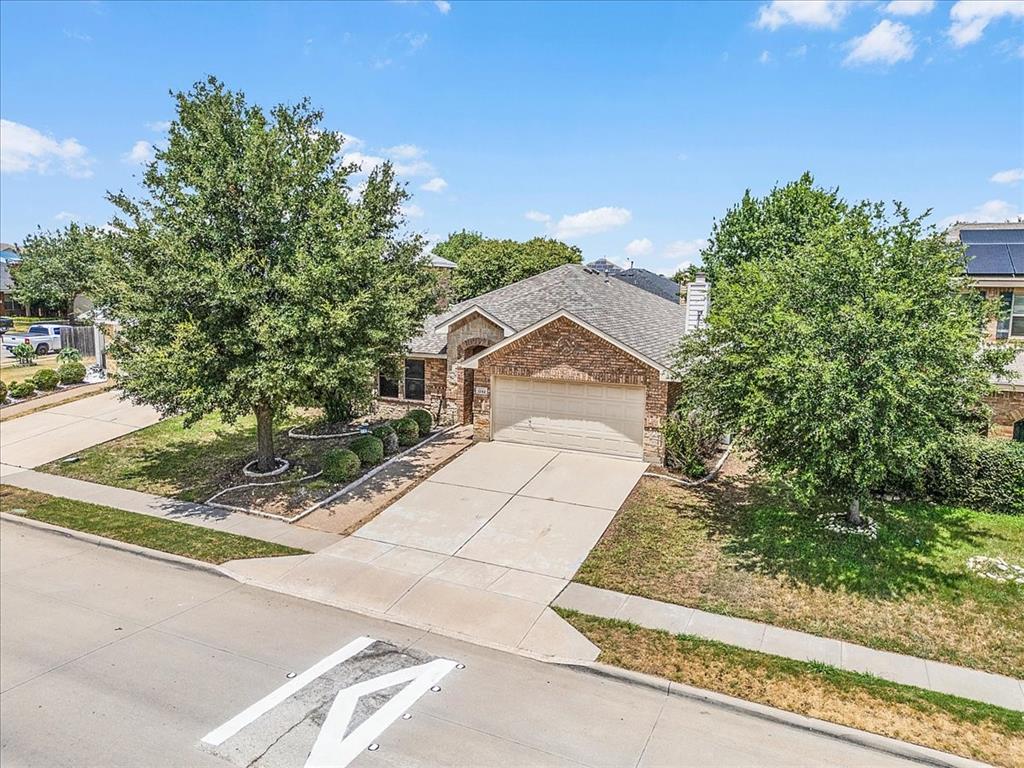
pixel 168 460
pixel 738 549
pixel 937 720
pixel 153 532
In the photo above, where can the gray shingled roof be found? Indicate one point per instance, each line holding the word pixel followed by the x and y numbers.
pixel 635 318
pixel 651 282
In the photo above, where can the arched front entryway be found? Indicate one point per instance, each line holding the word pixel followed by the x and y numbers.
pixel 467 349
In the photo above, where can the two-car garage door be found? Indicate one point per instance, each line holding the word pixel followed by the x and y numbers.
pixel 567 414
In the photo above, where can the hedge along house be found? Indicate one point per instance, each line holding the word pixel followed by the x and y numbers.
pixel 569 358
pixel 995 254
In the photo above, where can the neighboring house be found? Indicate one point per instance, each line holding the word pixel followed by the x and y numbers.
pixel 8 256
pixel 995 255
pixel 570 358
pixel 649 281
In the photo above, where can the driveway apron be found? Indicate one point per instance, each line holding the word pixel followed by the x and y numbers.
pixel 477 550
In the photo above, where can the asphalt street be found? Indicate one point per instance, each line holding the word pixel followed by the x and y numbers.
pixel 112 659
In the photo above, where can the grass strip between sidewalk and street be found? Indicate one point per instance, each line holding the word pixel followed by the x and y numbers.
pixel 928 718
pixel 192 541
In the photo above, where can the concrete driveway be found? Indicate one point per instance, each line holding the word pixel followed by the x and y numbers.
pixel 38 438
pixel 477 550
pixel 532 509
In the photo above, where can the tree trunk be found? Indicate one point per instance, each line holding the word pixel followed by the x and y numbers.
pixel 265 439
pixel 853 516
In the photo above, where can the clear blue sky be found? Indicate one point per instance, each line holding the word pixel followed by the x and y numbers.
pixel 648 119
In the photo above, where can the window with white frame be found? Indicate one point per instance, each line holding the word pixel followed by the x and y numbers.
pixel 1017 315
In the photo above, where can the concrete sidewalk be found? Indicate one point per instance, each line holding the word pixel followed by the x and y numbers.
pixel 170 509
pixel 38 438
pixel 908 670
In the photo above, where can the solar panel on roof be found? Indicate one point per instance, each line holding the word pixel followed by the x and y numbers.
pixel 989 259
pixel 989 236
pixel 1017 257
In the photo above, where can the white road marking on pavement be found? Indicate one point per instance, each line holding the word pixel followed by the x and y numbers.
pixel 224 732
pixel 330 751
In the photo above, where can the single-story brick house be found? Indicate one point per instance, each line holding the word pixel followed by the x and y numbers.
pixel 995 264
pixel 570 358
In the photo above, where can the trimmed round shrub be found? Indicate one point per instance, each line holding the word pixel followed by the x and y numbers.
pixel 46 379
pixel 387 436
pixel 71 373
pixel 3 391
pixel 369 449
pixel 340 465
pixel 408 431
pixel 423 420
pixel 20 389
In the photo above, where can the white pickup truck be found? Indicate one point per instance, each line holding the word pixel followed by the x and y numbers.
pixel 44 338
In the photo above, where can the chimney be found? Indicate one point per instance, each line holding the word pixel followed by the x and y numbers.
pixel 697 302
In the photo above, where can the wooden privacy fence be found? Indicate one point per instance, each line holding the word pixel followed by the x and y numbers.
pixel 87 339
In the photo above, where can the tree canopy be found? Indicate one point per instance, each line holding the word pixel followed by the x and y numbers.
pixel 845 359
pixel 773 225
pixel 249 277
pixel 491 264
pixel 56 267
pixel 456 244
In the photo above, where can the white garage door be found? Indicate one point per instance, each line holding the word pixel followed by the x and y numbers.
pixel 567 414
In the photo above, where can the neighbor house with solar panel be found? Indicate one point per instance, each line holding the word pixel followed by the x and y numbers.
pixel 995 262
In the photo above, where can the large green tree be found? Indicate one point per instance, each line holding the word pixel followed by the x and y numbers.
pixel 846 360
pixel 760 228
pixel 492 264
pixel 56 267
pixel 249 278
pixel 456 244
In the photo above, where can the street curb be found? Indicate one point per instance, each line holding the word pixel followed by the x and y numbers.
pixel 123 546
pixel 878 743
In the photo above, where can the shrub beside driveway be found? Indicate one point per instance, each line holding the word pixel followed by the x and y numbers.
pixel 192 464
pixel 936 720
pixel 739 549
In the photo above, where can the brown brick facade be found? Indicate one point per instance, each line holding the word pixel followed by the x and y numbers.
pixel 1007 409
pixel 564 350
pixel 435 385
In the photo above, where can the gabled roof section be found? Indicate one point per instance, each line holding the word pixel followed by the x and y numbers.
pixel 637 320
pixel 471 362
pixel 442 327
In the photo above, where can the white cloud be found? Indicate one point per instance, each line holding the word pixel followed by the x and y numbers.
pixel 802 13
pixel 765 57
pixel 443 6
pixel 909 7
pixel 67 216
pixel 351 142
pixel 541 218
pixel 404 151
pixel 1010 176
pixel 415 168
pixel 140 153
pixel 970 18
pixel 159 126
pixel 412 210
pixel 684 249
pixel 436 184
pixel 365 162
pixel 797 53
pixel 639 247
pixel 591 222
pixel 25 149
pixel 416 40
pixel 887 43
pixel 990 211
